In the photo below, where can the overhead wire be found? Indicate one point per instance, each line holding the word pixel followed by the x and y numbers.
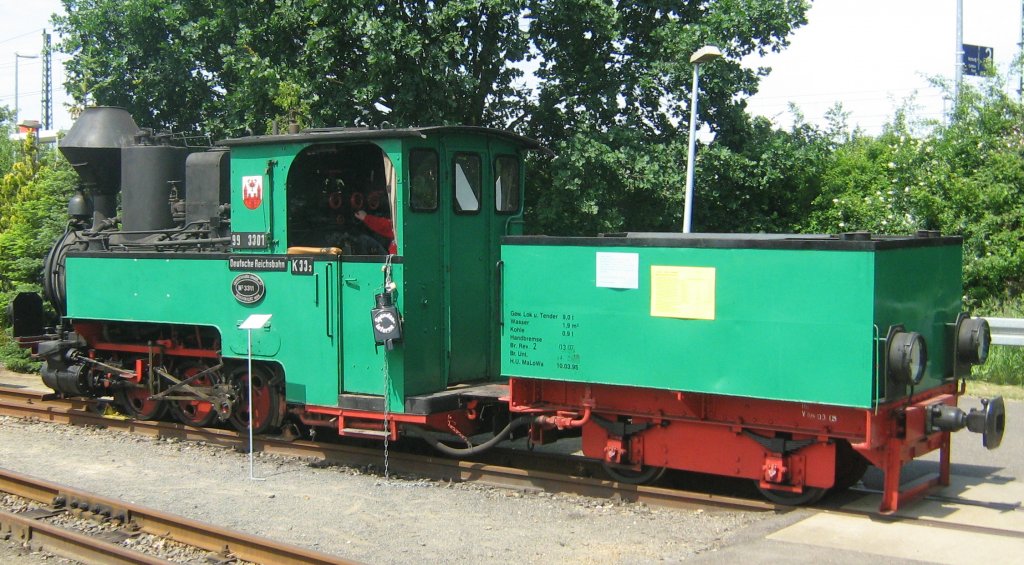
pixel 26 34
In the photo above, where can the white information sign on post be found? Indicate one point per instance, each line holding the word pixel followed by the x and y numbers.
pixel 253 322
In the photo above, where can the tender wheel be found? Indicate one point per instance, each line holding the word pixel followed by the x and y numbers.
pixel 196 413
pixel 850 466
pixel 625 475
pixel 266 401
pixel 135 401
pixel 810 495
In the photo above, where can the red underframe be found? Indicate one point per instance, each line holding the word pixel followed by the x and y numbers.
pixel 689 431
pixel 710 433
pixel 348 422
pixel 92 332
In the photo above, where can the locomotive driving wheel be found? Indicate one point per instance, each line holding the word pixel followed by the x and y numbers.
pixel 194 412
pixel 266 400
pixel 135 400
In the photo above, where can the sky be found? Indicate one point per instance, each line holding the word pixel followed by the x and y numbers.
pixel 870 55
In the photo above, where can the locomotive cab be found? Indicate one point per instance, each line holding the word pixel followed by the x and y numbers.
pixel 297 198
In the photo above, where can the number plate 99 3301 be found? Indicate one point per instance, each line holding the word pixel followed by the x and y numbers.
pixel 249 240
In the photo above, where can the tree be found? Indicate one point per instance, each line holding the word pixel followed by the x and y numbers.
pixel 230 65
pixel 965 177
pixel 8 148
pixel 611 84
pixel 768 182
pixel 34 189
pixel 613 102
pixel 33 211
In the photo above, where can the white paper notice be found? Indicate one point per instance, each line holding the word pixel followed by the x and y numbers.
pixel 618 270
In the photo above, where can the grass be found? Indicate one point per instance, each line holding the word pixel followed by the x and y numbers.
pixel 982 389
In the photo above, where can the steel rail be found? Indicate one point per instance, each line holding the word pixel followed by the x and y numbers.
pixel 184 530
pixel 432 467
pixel 71 544
pixel 934 522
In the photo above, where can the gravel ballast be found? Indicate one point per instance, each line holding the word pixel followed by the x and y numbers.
pixel 359 515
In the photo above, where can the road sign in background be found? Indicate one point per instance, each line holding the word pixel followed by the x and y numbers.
pixel 975 58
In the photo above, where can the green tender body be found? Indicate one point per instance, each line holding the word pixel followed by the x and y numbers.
pixel 794 319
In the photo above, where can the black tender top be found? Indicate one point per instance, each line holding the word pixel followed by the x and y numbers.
pixel 316 135
pixel 852 241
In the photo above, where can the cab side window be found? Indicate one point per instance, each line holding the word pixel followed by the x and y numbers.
pixel 424 185
pixel 467 180
pixel 506 184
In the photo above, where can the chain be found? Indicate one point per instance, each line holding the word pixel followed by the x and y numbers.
pixel 387 425
pixel 455 430
pixel 388 287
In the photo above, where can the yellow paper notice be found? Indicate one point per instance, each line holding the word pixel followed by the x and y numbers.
pixel 683 292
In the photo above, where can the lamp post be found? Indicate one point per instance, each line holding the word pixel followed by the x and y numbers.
pixel 17 58
pixel 702 55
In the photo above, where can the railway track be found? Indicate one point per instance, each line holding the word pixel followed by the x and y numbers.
pixel 545 472
pixel 125 525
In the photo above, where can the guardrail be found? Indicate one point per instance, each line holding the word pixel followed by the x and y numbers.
pixel 1007 331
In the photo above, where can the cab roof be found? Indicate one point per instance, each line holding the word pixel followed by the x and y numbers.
pixel 317 135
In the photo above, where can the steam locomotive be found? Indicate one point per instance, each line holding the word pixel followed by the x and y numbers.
pixel 791 360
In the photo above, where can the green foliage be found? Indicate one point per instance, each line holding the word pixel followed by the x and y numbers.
pixel 235 64
pixel 20 172
pixel 767 182
pixel 612 102
pixel 14 357
pixel 33 212
pixel 965 177
pixel 36 216
pixel 605 181
pixel 8 148
pixel 612 85
pixel 34 190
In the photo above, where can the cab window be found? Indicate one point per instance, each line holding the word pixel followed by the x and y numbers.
pixel 327 185
pixel 466 185
pixel 506 184
pixel 423 166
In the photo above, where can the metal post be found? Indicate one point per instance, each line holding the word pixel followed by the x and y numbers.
pixel 958 75
pixel 253 322
pixel 17 58
pixel 15 92
pixel 251 476
pixel 692 152
pixel 702 55
pixel 47 105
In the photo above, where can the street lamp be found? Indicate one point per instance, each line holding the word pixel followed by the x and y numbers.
pixel 702 55
pixel 17 57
